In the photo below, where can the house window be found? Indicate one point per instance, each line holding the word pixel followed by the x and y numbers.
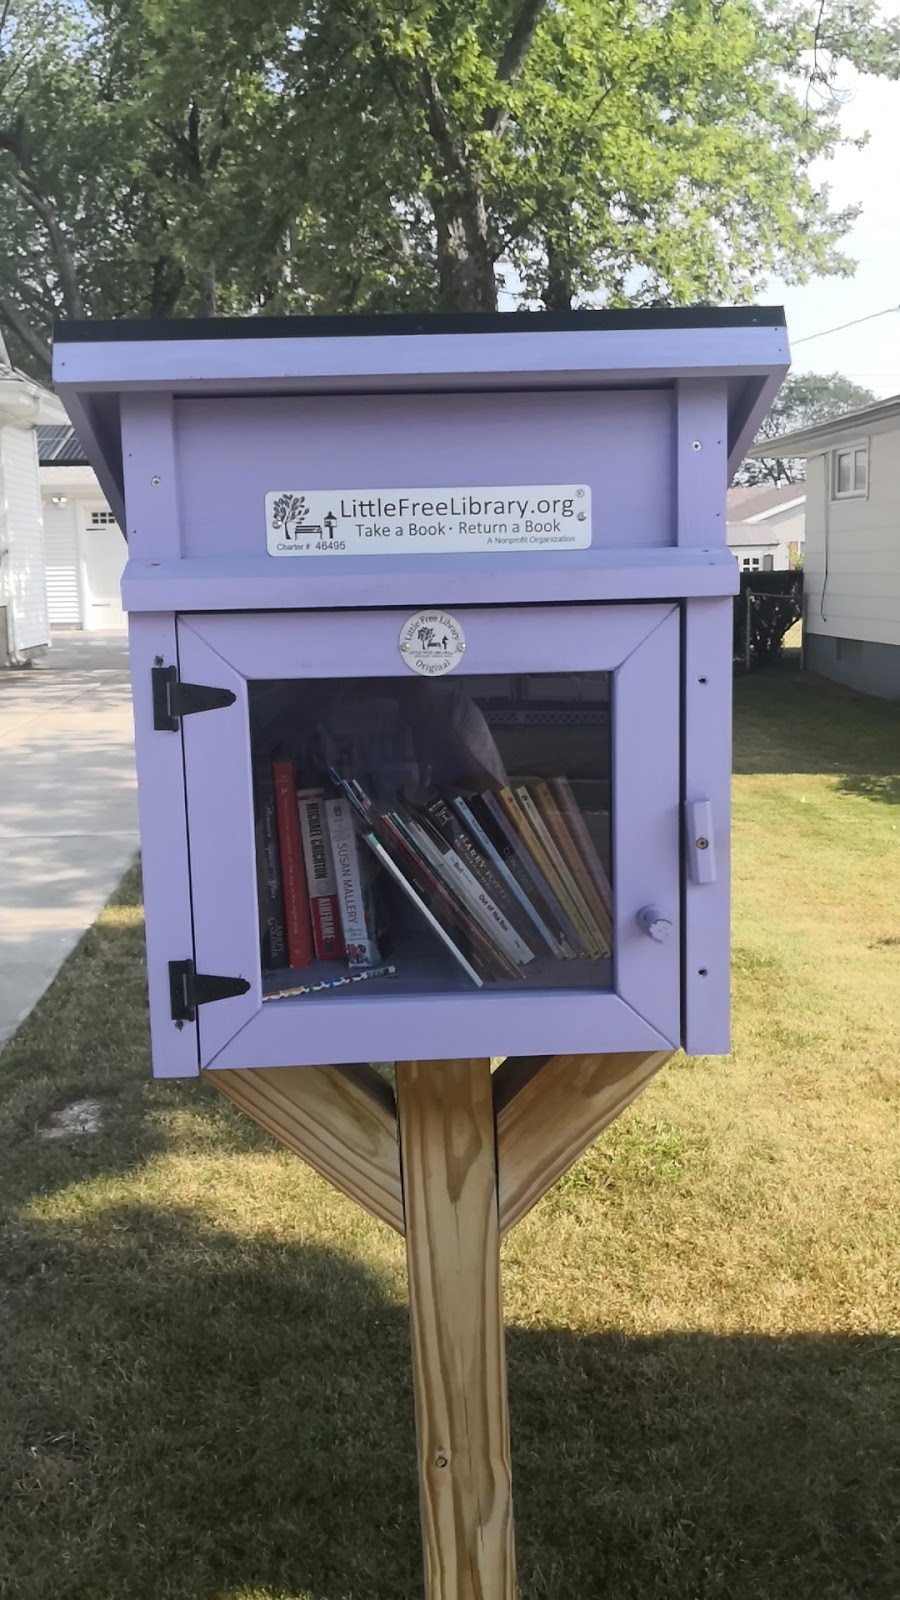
pixel 101 519
pixel 850 472
pixel 749 563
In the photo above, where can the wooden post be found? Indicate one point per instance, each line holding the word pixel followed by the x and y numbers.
pixel 449 1173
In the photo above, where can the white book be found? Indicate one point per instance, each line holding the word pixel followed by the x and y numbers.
pixel 413 895
pixel 352 887
pixel 488 915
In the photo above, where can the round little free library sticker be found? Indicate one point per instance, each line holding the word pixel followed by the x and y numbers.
pixel 432 642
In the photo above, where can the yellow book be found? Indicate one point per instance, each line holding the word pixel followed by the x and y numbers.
pixel 516 814
pixel 551 811
pixel 575 899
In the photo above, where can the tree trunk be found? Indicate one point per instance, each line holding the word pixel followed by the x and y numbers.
pixel 206 305
pixel 465 269
pixel 557 295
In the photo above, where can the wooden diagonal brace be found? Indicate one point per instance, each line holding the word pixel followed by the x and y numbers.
pixel 548 1112
pixel 342 1120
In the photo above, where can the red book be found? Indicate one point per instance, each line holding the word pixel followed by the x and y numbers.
pixel 293 871
pixel 321 881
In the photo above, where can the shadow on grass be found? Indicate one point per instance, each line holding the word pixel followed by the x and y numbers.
pixel 793 722
pixel 189 1413
pixel 199 1416
pixel 870 786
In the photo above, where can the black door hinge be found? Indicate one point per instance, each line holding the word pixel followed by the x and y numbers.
pixel 189 989
pixel 173 699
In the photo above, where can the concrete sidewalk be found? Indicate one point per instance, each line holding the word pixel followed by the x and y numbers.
pixel 68 808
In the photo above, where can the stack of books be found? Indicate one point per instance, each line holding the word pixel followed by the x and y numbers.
pixel 505 878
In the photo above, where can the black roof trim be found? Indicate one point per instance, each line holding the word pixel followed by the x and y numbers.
pixel 649 318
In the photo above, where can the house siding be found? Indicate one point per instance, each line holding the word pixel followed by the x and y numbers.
pixel 852 562
pixel 26 599
pixel 857 663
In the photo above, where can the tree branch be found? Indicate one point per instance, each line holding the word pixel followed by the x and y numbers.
pixel 16 140
pixel 24 332
pixel 73 305
pixel 513 56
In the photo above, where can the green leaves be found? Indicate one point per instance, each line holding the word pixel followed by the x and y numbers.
pixel 380 154
pixel 804 399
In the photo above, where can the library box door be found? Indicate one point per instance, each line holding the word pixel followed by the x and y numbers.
pixel 428 835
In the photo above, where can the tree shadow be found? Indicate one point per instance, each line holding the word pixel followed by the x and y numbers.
pixel 885 788
pixel 794 722
pixel 200 1415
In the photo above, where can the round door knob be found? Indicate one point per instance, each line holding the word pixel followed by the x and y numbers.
pixel 654 923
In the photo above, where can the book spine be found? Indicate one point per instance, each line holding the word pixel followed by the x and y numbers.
pixel 582 838
pixel 480 905
pixel 293 873
pixel 450 827
pixel 499 853
pixel 413 895
pixel 483 951
pixel 509 820
pixel 322 885
pixel 353 895
pixel 550 806
pixel 273 943
pixel 566 885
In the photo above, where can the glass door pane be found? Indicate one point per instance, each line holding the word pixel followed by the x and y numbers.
pixel 419 835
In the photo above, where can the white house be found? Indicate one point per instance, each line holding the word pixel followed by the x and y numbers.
pixel 24 624
pixel 851 568
pixel 766 526
pixel 84 549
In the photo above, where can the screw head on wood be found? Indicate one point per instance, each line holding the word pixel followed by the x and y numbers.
pixel 155 482
pixel 441 1460
pixel 702 844
pixel 696 445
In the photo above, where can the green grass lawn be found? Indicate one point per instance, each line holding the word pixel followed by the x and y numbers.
pixel 204 1383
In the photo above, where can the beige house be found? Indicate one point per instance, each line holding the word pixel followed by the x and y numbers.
pixel 852 547
pixel 766 526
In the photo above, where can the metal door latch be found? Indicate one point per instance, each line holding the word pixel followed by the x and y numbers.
pixel 701 846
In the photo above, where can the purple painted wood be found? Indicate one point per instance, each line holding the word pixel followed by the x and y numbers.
pixel 208 425
pixel 646 832
pixel 436 1027
pixel 151 478
pixel 222 839
pixel 707 776
pixel 701 474
pixel 539 359
pixel 224 650
pixel 619 443
pixel 365 644
pixel 164 856
pixel 256 582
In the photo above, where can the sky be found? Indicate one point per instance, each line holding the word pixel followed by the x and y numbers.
pixel 869 354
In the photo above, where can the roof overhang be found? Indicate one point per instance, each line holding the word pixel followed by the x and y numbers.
pixel 95 363
pixel 25 403
pixel 810 441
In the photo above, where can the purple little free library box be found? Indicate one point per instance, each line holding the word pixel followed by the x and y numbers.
pixel 431 627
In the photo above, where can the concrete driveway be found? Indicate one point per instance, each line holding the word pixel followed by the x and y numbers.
pixel 68 807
